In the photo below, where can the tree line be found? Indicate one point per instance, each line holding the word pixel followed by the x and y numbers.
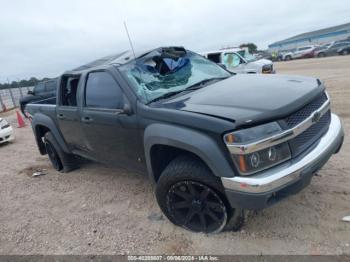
pixel 22 83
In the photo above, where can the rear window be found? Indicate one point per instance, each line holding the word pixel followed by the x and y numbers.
pixel 102 91
pixel 341 44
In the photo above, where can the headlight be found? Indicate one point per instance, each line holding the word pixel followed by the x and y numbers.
pixel 4 124
pixel 267 69
pixel 261 159
pixel 253 134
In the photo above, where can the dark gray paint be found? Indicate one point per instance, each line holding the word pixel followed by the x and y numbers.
pixel 195 121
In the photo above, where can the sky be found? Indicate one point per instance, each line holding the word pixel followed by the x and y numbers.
pixel 44 38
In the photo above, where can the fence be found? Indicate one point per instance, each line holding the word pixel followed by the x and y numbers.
pixel 9 98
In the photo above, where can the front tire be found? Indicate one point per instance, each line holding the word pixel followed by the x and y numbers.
pixel 288 58
pixel 193 198
pixel 60 160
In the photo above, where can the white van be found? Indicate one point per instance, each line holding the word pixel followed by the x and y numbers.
pixel 239 60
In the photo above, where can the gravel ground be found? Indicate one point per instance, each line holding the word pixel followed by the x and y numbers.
pixel 102 210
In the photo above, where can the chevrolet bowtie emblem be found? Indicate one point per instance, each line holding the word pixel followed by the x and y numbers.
pixel 316 117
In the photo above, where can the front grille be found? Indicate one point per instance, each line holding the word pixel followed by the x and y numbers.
pixel 311 135
pixel 299 116
pixel 303 141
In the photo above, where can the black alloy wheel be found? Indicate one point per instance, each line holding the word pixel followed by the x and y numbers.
pixel 196 207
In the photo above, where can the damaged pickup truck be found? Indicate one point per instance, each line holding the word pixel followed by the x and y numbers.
pixel 214 143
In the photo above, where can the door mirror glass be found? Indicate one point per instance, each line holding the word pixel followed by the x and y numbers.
pixel 30 92
pixel 231 60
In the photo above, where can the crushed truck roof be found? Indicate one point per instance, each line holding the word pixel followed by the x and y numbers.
pixel 117 59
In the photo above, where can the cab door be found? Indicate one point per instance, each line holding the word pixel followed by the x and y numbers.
pixel 112 134
pixel 67 113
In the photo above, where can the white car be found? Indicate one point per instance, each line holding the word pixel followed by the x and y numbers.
pixel 6 131
pixel 300 52
pixel 239 60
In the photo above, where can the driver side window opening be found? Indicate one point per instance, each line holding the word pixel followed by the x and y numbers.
pixel 231 60
pixel 69 90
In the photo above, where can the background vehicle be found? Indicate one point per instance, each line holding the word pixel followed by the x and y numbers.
pixel 261 54
pixel 344 50
pixel 238 60
pixel 301 52
pixel 321 48
pixel 213 143
pixel 6 132
pixel 333 49
pixel 42 90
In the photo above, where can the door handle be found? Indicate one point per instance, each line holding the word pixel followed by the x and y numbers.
pixel 86 119
pixel 61 116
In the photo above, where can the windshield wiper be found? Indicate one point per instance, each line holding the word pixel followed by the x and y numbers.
pixel 195 86
pixel 166 95
pixel 201 84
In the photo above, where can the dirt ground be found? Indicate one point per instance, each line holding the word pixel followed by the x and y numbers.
pixel 102 210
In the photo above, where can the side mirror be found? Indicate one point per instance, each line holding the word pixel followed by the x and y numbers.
pixel 30 92
pixel 127 110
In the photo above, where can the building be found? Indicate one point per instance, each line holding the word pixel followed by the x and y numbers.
pixel 318 37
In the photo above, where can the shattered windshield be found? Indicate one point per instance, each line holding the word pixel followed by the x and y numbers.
pixel 167 71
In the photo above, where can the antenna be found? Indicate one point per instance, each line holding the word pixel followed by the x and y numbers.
pixel 127 32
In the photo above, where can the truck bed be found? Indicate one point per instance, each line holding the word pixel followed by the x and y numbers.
pixel 46 106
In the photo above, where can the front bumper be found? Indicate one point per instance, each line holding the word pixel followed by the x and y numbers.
pixel 269 72
pixel 6 135
pixel 268 187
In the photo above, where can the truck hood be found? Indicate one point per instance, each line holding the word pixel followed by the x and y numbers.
pixel 245 98
pixel 261 62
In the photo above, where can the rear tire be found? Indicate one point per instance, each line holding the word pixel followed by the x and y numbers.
pixel 193 198
pixel 60 160
pixel 345 52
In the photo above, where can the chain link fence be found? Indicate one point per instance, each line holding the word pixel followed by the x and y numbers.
pixel 9 98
